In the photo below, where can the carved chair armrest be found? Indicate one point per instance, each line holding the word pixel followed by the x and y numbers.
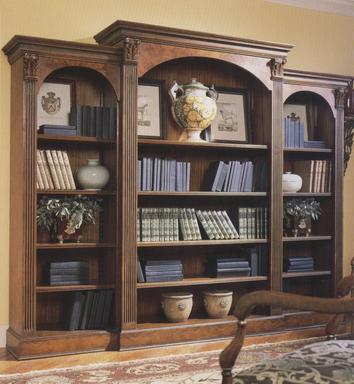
pixel 246 304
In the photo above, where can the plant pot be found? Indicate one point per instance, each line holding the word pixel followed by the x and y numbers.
pixel 177 306
pixel 65 232
pixel 217 303
pixel 298 227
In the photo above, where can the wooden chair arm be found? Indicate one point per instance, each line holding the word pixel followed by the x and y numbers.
pixel 246 304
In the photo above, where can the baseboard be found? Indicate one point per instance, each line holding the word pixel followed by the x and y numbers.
pixel 3 329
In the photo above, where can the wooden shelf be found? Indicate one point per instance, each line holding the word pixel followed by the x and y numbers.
pixel 75 192
pixel 73 139
pixel 287 275
pixel 310 238
pixel 72 288
pixel 308 150
pixel 307 194
pixel 202 281
pixel 182 243
pixel 206 144
pixel 202 194
pixel 74 245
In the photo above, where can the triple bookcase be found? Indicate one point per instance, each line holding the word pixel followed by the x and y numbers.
pixel 107 75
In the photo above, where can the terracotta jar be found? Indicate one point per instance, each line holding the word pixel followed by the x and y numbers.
pixel 217 303
pixel 177 306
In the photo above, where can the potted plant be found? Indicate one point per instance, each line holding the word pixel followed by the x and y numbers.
pixel 298 214
pixel 64 217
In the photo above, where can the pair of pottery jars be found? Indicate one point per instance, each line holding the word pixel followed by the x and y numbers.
pixel 178 306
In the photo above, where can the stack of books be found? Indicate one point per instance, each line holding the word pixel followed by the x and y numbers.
pixel 316 175
pixel 68 273
pixel 231 267
pixel 64 130
pixel 217 225
pixel 54 170
pixel 236 176
pixel 168 175
pixel 90 310
pixel 160 270
pixel 252 222
pixel 315 144
pixel 299 264
pixel 100 122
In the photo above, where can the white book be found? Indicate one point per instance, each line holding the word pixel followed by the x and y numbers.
pixel 53 171
pixel 63 170
pixel 68 170
pixel 46 169
pixel 58 169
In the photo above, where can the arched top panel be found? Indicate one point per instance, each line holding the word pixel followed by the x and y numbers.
pixel 324 94
pixel 256 66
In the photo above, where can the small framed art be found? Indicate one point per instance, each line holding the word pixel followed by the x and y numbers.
pixel 54 101
pixel 232 121
pixel 151 109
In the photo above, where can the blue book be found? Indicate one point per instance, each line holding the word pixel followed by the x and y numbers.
pixel 297 133
pixel 302 133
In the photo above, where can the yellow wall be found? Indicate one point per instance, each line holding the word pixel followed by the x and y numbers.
pixel 324 42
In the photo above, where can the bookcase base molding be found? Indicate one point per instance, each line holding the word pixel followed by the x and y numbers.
pixel 211 212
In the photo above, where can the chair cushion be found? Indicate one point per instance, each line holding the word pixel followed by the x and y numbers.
pixel 325 362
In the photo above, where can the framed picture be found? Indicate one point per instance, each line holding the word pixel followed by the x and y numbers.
pixel 232 121
pixel 300 111
pixel 54 101
pixel 151 109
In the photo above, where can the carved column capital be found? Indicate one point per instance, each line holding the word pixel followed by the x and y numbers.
pixel 277 68
pixel 339 95
pixel 30 66
pixel 131 50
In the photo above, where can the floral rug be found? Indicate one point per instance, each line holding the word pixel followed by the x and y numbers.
pixel 202 368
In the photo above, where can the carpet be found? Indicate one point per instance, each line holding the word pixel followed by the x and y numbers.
pixel 196 368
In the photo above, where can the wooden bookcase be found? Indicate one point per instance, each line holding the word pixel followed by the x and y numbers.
pixel 107 74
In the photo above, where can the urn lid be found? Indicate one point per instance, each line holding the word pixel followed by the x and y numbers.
pixel 195 85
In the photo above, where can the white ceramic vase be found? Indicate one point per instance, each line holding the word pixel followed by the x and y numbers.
pixel 217 303
pixel 177 306
pixel 291 182
pixel 92 176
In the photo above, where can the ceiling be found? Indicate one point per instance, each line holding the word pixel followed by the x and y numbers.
pixel 344 7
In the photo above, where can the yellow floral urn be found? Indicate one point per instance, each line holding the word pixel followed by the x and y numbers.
pixel 193 108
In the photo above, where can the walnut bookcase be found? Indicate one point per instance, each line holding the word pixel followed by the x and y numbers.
pixel 107 74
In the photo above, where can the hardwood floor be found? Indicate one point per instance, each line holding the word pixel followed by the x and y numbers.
pixel 8 364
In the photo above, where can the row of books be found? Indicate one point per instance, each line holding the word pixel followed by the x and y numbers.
pixel 236 176
pixel 173 224
pixel 100 122
pixel 160 270
pixel 316 175
pixel 252 222
pixel 68 273
pixel 54 170
pixel 167 175
pixel 294 135
pixel 299 264
pixel 90 310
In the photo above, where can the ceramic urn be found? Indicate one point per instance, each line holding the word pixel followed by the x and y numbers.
pixel 291 182
pixel 193 108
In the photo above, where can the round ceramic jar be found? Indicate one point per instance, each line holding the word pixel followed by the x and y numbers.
pixel 92 176
pixel 177 306
pixel 217 303
pixel 291 182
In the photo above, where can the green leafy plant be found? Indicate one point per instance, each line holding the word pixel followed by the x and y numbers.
pixel 76 210
pixel 301 209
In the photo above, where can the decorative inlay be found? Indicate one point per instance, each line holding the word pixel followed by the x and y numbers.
pixel 339 95
pixel 30 66
pixel 277 67
pixel 131 50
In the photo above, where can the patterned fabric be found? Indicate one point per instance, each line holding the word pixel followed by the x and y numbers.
pixel 320 363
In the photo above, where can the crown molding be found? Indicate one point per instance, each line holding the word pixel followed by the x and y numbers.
pixel 343 7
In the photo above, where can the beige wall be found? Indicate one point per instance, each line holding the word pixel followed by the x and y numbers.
pixel 324 43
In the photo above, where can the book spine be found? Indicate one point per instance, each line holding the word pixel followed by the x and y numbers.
pixel 63 170
pixel 39 178
pixel 195 224
pixel 138 223
pixel 175 224
pixel 166 224
pixel 205 224
pixel 220 225
pixel 52 168
pixel 41 170
pixel 188 176
pixel 58 169
pixel 188 229
pixel 46 169
pixel 242 223
pixel 214 226
pixel 329 185
pixel 68 170
pixel 230 224
pixel 225 224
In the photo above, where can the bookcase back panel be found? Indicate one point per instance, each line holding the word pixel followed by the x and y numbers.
pixel 149 301
pixel 309 286
pixel 222 75
pixel 319 116
pixel 52 310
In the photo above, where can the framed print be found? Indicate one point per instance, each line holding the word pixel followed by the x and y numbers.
pixel 232 121
pixel 151 110
pixel 54 101
pixel 301 112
